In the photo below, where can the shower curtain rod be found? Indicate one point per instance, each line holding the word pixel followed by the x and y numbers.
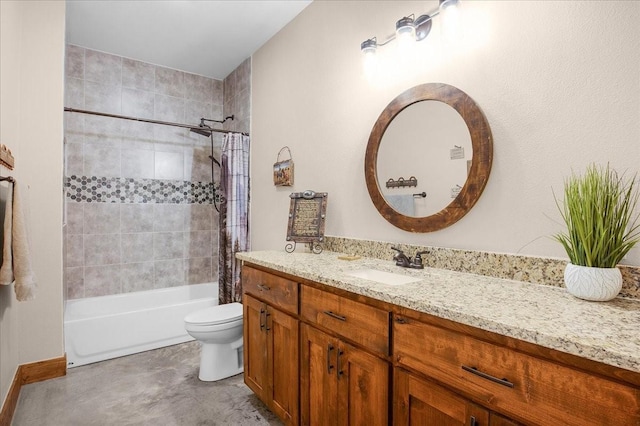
pixel 146 120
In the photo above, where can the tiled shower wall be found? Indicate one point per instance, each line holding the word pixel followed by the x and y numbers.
pixel 138 195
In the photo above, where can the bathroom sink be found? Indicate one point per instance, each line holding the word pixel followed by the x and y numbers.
pixel 382 277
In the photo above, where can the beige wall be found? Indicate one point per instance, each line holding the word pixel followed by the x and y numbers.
pixel 31 101
pixel 558 82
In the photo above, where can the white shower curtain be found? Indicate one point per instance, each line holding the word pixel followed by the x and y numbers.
pixel 234 214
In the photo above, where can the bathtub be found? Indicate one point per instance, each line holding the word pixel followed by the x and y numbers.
pixel 100 328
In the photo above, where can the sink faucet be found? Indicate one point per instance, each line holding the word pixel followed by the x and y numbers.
pixel 401 258
pixel 405 262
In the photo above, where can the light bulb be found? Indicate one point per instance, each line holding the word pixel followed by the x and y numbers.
pixel 451 20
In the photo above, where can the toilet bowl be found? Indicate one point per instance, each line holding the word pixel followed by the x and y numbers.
pixel 219 331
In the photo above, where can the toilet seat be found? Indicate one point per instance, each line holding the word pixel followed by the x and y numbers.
pixel 220 314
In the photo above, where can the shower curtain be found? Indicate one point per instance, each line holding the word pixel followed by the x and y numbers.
pixel 234 214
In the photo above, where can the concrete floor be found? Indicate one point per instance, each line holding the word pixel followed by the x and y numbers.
pixel 159 387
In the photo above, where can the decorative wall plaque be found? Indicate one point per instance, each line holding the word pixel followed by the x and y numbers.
pixel 283 170
pixel 307 213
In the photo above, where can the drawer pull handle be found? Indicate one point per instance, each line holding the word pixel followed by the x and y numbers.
pixel 336 316
pixel 263 287
pixel 329 366
pixel 474 370
pixel 401 320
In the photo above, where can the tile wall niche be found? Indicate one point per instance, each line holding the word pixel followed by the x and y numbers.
pixel 138 196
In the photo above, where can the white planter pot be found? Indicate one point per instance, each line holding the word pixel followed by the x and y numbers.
pixel 589 283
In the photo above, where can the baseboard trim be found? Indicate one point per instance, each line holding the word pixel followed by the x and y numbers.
pixel 43 370
pixel 10 403
pixel 27 374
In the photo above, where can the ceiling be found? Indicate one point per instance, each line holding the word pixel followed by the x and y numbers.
pixel 210 38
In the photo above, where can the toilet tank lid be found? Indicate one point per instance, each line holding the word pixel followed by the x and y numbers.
pixel 216 314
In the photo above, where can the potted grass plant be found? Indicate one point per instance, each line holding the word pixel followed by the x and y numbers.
pixel 602 226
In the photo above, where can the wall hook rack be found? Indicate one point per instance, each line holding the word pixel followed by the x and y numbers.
pixel 402 182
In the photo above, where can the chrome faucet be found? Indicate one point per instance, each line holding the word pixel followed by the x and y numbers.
pixel 405 262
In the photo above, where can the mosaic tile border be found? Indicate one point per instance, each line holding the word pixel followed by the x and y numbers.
pixel 537 270
pixel 95 189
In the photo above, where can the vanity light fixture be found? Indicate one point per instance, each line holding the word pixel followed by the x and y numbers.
pixel 410 29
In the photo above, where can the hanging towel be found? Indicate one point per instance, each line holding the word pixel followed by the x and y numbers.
pixel 402 204
pixel 16 261
pixel 6 271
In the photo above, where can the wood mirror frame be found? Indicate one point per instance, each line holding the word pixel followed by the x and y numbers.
pixel 481 142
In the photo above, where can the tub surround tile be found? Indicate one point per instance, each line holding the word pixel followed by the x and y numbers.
pixel 74 158
pixel 137 163
pixel 74 93
pixel 101 249
pixel 102 97
pixel 74 62
pixel 138 75
pixel 169 108
pixel 75 218
pixel 74 250
pixel 198 217
pixel 136 167
pixel 102 160
pixel 102 218
pixel 136 217
pixel 198 88
pixel 168 245
pixel 198 244
pixel 168 217
pixel 138 103
pixel 198 270
pixel 545 315
pixel 169 82
pixel 137 276
pixel 139 191
pixel 169 165
pixel 137 247
pixel 102 280
pixel 537 270
pixel 74 280
pixel 103 68
pixel 168 273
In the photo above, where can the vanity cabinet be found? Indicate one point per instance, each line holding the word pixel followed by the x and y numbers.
pixel 344 371
pixel 271 339
pixel 319 355
pixel 523 387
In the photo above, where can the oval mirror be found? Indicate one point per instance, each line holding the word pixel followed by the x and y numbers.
pixel 428 158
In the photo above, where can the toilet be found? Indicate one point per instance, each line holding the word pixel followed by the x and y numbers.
pixel 219 330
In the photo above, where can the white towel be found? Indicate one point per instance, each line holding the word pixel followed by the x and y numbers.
pixel 16 260
pixel 402 204
pixel 6 271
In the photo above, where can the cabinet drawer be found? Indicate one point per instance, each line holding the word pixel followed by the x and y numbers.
pixel 355 321
pixel 277 291
pixel 529 388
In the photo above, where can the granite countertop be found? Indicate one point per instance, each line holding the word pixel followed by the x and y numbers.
pixel 608 332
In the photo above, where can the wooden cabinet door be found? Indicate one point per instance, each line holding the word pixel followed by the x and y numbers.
pixel 255 347
pixel 421 402
pixel 363 387
pixel 318 377
pixel 282 330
